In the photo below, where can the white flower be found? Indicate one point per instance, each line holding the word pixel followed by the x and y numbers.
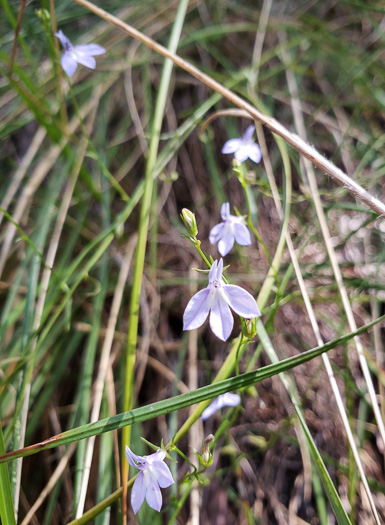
pixel 74 55
pixel 154 473
pixel 232 228
pixel 244 148
pixel 219 297
pixel 224 400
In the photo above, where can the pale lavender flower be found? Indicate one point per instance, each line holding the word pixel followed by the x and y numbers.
pixel 74 55
pixel 232 229
pixel 153 475
pixel 219 297
pixel 244 148
pixel 224 400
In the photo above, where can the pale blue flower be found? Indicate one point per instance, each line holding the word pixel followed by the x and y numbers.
pixel 223 400
pixel 74 55
pixel 219 297
pixel 154 474
pixel 232 229
pixel 244 148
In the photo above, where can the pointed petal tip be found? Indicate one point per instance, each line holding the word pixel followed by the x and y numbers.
pixel 249 132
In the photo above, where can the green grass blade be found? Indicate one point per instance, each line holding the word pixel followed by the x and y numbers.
pixel 203 394
pixel 6 504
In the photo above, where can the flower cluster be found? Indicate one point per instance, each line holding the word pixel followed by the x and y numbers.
pixel 216 300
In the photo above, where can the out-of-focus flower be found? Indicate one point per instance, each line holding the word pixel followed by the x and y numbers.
pixel 154 474
pixel 74 55
pixel 232 229
pixel 224 400
pixel 219 297
pixel 244 148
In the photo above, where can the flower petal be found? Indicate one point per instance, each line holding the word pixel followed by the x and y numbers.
pixel 213 272
pixel 216 233
pixel 248 134
pixel 68 63
pixel 231 145
pixel 85 60
pixel 90 49
pixel 153 494
pixel 138 492
pixel 230 400
pixel 242 153
pixel 254 152
pixel 241 301
pixel 220 270
pixel 134 460
pixel 163 474
pixel 65 42
pixel 223 400
pixel 221 319
pixel 159 455
pixel 226 242
pixel 197 310
pixel 225 210
pixel 242 234
pixel 211 409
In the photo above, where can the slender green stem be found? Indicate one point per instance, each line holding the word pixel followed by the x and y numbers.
pixel 6 506
pixel 143 232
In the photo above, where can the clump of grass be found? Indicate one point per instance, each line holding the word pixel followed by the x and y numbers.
pixel 95 268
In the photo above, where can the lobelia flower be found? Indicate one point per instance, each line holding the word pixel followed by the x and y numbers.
pixel 154 473
pixel 224 400
pixel 74 55
pixel 219 297
pixel 244 148
pixel 231 229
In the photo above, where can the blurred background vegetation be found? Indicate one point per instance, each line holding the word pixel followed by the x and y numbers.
pixel 73 158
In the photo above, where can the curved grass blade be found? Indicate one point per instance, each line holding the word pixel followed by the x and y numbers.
pixel 184 400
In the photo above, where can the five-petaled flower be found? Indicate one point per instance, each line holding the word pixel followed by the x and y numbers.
pixel 232 229
pixel 219 297
pixel 244 148
pixel 154 473
pixel 74 55
pixel 223 400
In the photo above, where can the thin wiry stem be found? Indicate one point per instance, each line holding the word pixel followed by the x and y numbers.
pixel 310 175
pixel 17 31
pixel 103 367
pixel 294 140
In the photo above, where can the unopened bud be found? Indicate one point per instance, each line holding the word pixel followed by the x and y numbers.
pixel 206 454
pixel 188 218
pixel 43 16
pixel 249 327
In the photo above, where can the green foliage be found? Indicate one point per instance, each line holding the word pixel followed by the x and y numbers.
pixel 95 269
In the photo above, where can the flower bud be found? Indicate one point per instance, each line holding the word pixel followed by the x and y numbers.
pixel 188 218
pixel 249 327
pixel 206 454
pixel 44 17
